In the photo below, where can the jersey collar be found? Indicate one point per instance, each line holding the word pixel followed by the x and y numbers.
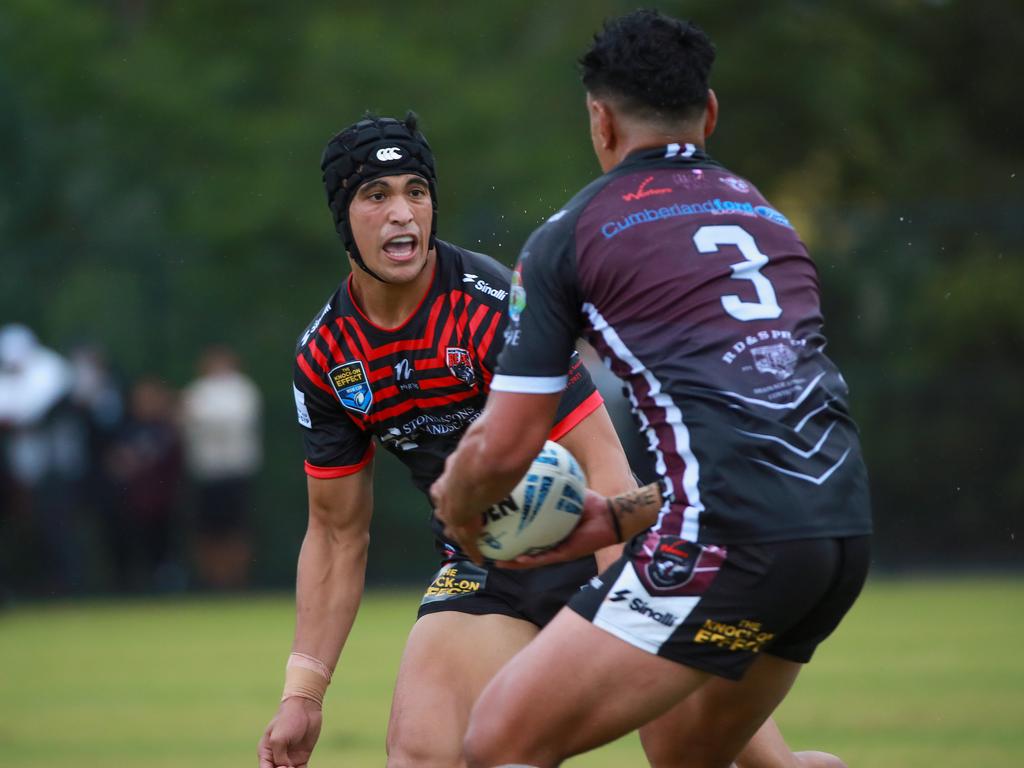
pixel 681 152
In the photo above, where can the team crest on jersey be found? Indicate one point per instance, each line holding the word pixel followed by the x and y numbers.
pixel 350 382
pixel 779 360
pixel 460 364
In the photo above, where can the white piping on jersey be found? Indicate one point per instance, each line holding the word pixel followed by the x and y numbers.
pixel 813 413
pixel 777 406
pixel 673 417
pixel 793 448
pixel 531 385
pixel 809 478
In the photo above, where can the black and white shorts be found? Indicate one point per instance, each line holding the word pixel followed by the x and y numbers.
pixel 534 595
pixel 715 608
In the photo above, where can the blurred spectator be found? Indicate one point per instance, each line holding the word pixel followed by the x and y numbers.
pixel 98 399
pixel 145 461
pixel 221 419
pixel 43 454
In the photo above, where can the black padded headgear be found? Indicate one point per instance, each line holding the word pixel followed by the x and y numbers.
pixel 369 149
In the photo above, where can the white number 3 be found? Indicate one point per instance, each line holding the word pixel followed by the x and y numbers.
pixel 708 239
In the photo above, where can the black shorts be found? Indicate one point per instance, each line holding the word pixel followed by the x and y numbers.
pixel 715 608
pixel 535 595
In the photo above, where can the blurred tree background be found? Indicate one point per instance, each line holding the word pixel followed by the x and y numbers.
pixel 160 190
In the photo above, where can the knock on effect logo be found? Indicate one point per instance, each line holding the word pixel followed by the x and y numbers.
pixel 349 381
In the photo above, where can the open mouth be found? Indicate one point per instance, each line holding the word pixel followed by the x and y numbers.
pixel 401 247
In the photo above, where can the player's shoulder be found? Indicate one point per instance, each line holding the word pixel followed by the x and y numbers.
pixel 327 313
pixel 475 273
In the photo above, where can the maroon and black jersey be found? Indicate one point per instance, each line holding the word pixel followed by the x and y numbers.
pixel 418 386
pixel 701 297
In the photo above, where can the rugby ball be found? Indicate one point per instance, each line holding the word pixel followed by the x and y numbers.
pixel 541 510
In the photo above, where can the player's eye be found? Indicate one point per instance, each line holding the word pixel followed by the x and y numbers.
pixel 376 196
pixel 417 192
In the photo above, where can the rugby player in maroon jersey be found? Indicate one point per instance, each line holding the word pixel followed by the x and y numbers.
pixel 754 543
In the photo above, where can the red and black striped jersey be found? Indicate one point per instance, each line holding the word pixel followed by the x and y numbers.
pixel 415 387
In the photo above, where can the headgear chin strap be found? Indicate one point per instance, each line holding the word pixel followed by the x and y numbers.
pixel 369 149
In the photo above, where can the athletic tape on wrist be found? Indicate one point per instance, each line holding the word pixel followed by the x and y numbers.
pixel 306 677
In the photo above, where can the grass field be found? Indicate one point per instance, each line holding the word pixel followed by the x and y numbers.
pixel 923 673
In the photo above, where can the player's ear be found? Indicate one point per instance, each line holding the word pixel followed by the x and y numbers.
pixel 710 114
pixel 602 124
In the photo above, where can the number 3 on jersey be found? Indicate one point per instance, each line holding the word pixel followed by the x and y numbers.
pixel 708 239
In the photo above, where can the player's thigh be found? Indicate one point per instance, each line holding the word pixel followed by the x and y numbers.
pixel 572 689
pixel 448 659
pixel 726 720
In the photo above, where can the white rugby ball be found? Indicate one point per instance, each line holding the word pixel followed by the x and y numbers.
pixel 541 510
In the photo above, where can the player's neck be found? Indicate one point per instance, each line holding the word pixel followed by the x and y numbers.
pixel 634 142
pixel 389 305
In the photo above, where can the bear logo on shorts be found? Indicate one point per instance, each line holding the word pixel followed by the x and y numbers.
pixel 673 562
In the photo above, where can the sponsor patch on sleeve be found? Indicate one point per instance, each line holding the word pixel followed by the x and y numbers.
pixel 300 407
pixel 350 382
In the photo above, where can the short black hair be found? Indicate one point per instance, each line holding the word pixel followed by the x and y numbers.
pixel 652 65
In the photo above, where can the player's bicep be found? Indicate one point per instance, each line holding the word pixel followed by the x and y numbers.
pixel 596 447
pixel 342 504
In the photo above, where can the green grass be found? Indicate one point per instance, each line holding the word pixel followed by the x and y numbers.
pixel 922 673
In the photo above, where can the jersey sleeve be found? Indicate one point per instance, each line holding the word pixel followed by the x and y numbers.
pixel 543 315
pixel 335 444
pixel 579 400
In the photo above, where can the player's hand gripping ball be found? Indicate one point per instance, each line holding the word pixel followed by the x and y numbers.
pixel 540 512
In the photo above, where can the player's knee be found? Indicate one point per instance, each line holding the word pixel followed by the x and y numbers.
pixel 487 743
pixel 478 747
pixel 819 760
pixel 406 752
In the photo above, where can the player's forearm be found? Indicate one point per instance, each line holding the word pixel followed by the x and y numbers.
pixel 329 586
pixel 483 475
pixel 637 510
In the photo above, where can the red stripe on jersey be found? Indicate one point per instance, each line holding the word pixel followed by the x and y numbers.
pixel 439 381
pixel 318 356
pixel 485 343
pixel 578 414
pixel 304 366
pixel 364 345
pixel 354 352
pixel 460 327
pixel 332 344
pixel 329 473
pixel 380 373
pixel 478 318
pixel 385 393
pixel 440 361
pixel 375 353
pixel 421 402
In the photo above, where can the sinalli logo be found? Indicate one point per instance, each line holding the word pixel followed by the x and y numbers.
pixel 484 287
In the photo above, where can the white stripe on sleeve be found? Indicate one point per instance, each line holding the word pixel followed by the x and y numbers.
pixel 533 385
